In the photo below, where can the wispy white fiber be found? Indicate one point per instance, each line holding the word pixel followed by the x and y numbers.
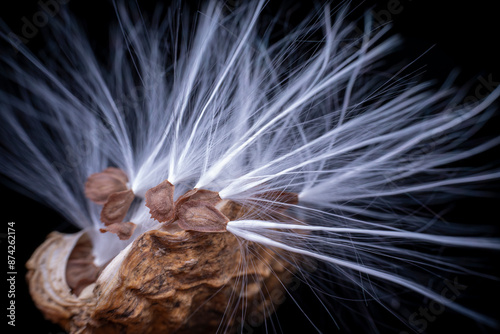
pixel 214 101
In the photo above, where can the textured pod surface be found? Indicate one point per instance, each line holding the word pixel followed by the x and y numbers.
pixel 47 279
pixel 169 281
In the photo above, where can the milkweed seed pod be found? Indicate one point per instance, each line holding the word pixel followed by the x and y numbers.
pixel 190 266
pixel 221 155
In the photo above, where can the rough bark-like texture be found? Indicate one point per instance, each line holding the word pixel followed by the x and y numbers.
pixel 182 278
pixel 168 282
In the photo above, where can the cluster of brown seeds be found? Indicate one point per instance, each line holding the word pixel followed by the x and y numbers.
pixel 109 188
pixel 198 210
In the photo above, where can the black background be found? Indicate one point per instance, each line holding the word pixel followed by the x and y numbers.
pixel 465 35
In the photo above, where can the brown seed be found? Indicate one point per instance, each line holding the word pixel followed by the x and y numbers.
pixel 203 195
pixel 123 230
pixel 160 201
pixel 279 199
pixel 234 211
pixel 115 209
pixel 201 216
pixel 100 185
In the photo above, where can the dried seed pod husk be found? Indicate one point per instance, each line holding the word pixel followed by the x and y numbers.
pixel 47 279
pixel 80 268
pixel 166 281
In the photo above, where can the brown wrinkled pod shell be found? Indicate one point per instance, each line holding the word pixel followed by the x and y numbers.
pixel 166 281
pixel 47 280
